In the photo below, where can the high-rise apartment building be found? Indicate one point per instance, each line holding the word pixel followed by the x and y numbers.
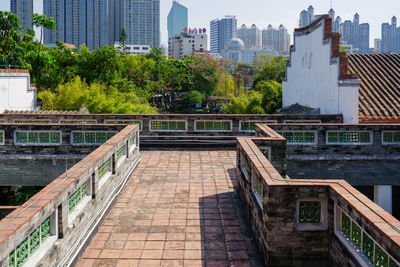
pixel 24 10
pixel 98 23
pixel 78 22
pixel 276 39
pixel 141 20
pixel 377 46
pixel 221 32
pixel 177 19
pixel 391 37
pixel 251 37
pixel 306 17
pixel 187 43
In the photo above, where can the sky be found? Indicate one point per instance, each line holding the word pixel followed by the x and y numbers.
pixel 265 12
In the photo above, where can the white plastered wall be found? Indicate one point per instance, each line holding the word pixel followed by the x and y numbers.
pixel 313 77
pixel 15 93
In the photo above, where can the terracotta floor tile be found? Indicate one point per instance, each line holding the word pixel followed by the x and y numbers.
pixel 127 263
pixel 134 244
pixel 110 254
pixel 172 263
pixel 152 254
pixel 130 254
pixel 154 245
pixel 173 254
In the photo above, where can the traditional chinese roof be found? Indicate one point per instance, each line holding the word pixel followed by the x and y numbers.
pixel 379 95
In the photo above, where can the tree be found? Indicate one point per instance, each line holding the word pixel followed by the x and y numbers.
pixel 193 97
pixel 14 43
pixel 245 104
pixel 268 67
pixel 122 40
pixel 271 95
pixel 43 21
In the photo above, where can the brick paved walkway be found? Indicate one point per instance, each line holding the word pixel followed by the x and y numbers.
pixel 177 209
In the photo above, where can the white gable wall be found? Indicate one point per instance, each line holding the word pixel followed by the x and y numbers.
pixel 15 92
pixel 313 77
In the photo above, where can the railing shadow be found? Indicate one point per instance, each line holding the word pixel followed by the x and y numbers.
pixel 226 238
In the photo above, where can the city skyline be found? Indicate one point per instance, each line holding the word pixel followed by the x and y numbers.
pixel 202 12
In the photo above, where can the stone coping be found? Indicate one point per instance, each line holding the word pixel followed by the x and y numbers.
pixel 44 201
pixel 381 220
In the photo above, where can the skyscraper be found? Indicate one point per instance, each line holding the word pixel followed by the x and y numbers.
pixel 251 37
pixel 141 20
pixel 276 39
pixel 221 32
pixel 78 22
pixel 177 19
pixel 391 37
pixel 24 10
pixel 306 17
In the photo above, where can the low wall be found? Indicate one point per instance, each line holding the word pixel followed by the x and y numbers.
pixel 161 129
pixel 313 222
pixel 359 162
pixel 50 227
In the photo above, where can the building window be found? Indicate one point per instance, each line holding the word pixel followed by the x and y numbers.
pixel 168 125
pixel 390 137
pixel 90 137
pixel 299 138
pixel 355 138
pixel 37 137
pixel 223 126
pixel 362 245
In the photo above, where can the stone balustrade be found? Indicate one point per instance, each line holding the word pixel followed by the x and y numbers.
pixel 309 222
pixel 51 227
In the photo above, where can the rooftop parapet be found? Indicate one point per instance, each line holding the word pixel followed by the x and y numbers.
pixel 319 222
pixel 51 227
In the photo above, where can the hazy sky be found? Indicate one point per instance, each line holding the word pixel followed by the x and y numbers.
pixel 264 12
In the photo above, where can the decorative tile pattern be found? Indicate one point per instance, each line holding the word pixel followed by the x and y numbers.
pixel 213 125
pixel 388 137
pixel 348 137
pixel 97 138
pixel 32 243
pixel 38 137
pixel 310 212
pixel 104 169
pixel 168 125
pixel 361 240
pixel 77 197
pixel 121 152
pixel 299 137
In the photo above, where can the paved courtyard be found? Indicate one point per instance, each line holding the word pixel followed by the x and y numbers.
pixel 177 209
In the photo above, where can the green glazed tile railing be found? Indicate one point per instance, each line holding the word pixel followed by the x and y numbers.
pixel 1 137
pixel 168 125
pixel 389 137
pixel 360 239
pixel 38 137
pixel 121 152
pixel 299 137
pixel 213 125
pixel 91 137
pixel 78 121
pixel 349 137
pixel 104 169
pixel 77 197
pixel 132 140
pixel 310 212
pixel 33 121
pixel 32 243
